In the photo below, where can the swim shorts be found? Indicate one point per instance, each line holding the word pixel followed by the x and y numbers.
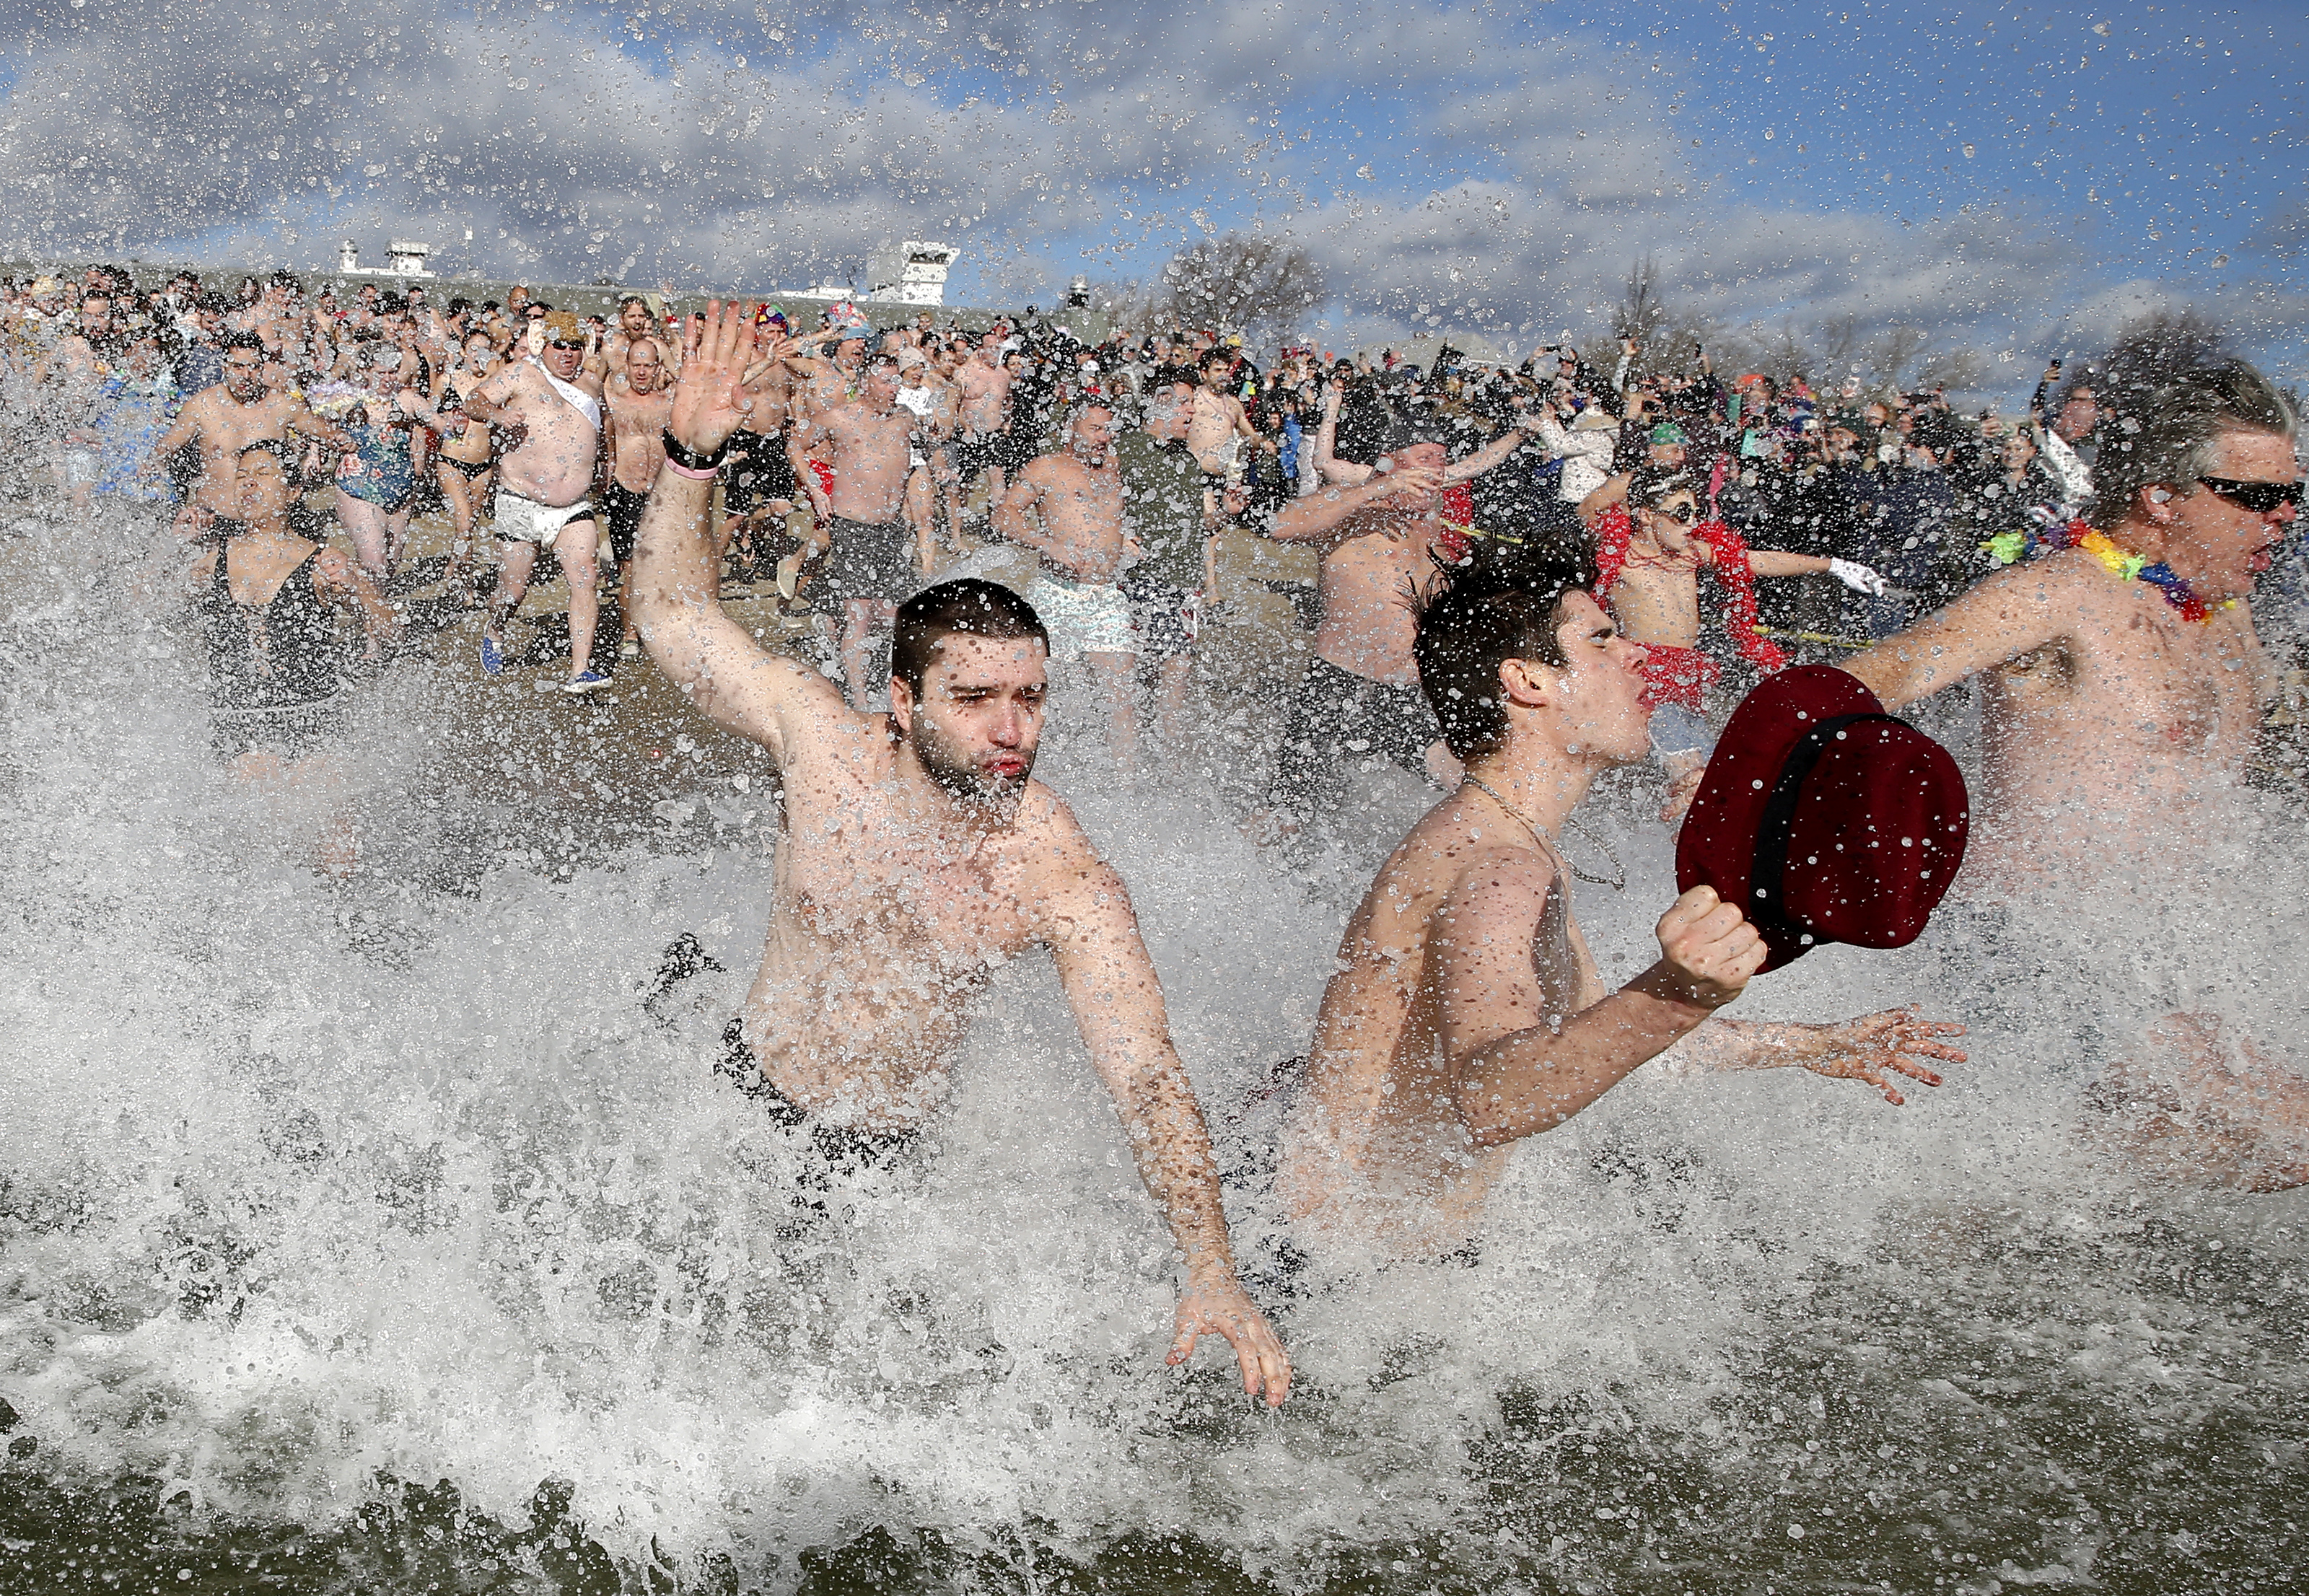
pixel 522 520
pixel 765 473
pixel 974 453
pixel 868 562
pixel 1083 617
pixel 1338 713
pixel 842 1147
pixel 623 507
pixel 1168 619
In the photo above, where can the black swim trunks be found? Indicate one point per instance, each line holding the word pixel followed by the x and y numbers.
pixel 842 1147
pixel 764 473
pixel 976 454
pixel 623 509
pixel 1338 715
pixel 870 562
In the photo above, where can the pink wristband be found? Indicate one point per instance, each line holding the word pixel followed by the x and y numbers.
pixel 683 470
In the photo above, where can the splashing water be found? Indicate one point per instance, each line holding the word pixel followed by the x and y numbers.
pixel 375 1235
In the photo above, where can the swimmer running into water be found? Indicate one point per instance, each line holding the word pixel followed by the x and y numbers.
pixel 919 854
pixel 1467 1013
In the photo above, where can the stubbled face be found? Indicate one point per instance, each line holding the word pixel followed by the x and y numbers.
pixel 644 368
pixel 1169 412
pixel 881 389
pixel 1669 525
pixel 634 320
pixel 1093 436
pixel 2217 543
pixel 979 721
pixel 243 374
pixel 1600 697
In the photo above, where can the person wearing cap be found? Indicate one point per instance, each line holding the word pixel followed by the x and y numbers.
pixel 2122 680
pixel 1467 1013
pixel 548 429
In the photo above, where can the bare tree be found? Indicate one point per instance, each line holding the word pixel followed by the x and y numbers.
pixel 1952 369
pixel 1899 350
pixel 1642 312
pixel 1243 283
pixel 1840 345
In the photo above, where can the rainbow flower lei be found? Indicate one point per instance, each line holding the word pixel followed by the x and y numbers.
pixel 2132 567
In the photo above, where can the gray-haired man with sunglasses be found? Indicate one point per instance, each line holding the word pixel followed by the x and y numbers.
pixel 2123 683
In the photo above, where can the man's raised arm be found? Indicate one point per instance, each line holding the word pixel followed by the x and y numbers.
pixel 1322 517
pixel 730 678
pixel 1117 999
pixel 2017 610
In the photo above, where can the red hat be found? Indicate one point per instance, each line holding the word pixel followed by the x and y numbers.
pixel 1824 818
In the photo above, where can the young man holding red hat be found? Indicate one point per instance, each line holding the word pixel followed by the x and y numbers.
pixel 2122 680
pixel 1467 1013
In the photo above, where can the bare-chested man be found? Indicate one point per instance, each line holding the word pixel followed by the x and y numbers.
pixel 1218 420
pixel 223 422
pixel 2122 690
pixel 981 441
pixel 867 567
pixel 1379 543
pixel 637 401
pixel 1467 1013
pixel 549 430
pixel 1067 508
pixel 2112 702
pixel 918 854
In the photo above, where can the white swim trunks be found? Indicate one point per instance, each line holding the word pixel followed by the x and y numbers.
pixel 1083 617
pixel 522 520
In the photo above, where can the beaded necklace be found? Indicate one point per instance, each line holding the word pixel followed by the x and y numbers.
pixel 2166 580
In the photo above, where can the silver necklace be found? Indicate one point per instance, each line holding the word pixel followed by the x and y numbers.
pixel 1616 883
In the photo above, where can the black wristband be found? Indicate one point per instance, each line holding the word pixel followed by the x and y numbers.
pixel 688 458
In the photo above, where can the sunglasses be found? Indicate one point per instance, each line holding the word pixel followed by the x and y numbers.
pixel 565 343
pixel 1686 514
pixel 2259 497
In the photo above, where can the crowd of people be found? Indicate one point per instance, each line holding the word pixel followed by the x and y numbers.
pixel 1511 558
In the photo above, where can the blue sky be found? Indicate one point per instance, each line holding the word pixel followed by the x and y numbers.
pixel 2012 177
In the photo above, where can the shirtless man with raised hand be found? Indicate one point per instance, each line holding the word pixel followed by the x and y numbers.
pixel 983 385
pixel 637 401
pixel 1467 1013
pixel 549 432
pixel 1379 543
pixel 1067 508
pixel 866 566
pixel 1218 420
pixel 223 422
pixel 2113 703
pixel 918 854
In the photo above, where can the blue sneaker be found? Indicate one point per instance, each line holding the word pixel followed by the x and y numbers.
pixel 586 683
pixel 492 657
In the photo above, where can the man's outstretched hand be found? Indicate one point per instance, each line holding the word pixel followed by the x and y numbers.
pixel 1218 1306
pixel 1877 1049
pixel 709 398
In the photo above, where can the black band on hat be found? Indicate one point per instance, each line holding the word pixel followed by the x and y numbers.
pixel 1767 883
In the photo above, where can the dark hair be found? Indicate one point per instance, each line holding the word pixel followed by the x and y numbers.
pixel 1649 485
pixel 1474 620
pixel 966 604
pixel 214 303
pixel 242 338
pixel 2173 435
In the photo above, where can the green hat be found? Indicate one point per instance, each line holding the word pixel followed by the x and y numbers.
pixel 1668 432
